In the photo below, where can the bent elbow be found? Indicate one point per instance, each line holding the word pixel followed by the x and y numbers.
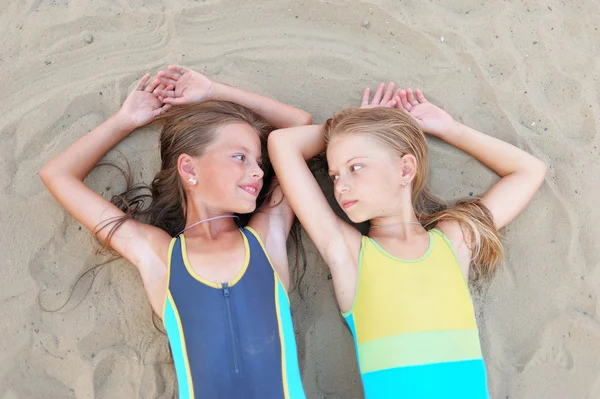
pixel 44 174
pixel 542 169
pixel 537 171
pixel 306 119
pixel 274 140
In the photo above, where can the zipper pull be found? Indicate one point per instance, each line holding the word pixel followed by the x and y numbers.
pixel 225 290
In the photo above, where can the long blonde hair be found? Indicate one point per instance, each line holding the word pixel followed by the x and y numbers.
pixel 399 132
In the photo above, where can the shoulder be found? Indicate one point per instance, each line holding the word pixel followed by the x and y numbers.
pixel 151 258
pixel 153 250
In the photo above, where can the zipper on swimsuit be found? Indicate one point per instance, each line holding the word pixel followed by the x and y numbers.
pixel 226 294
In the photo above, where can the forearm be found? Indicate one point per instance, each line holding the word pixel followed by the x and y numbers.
pixel 501 157
pixel 80 158
pixel 276 113
pixel 307 140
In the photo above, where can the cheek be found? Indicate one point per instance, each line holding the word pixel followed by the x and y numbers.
pixel 220 179
pixel 378 187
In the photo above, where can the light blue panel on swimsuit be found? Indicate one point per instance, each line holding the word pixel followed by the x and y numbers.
pixel 295 389
pixel 350 320
pixel 172 324
pixel 451 380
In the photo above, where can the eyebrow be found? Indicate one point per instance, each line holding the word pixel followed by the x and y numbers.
pixel 347 162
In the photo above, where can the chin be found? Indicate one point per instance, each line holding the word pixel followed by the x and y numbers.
pixel 245 208
pixel 356 217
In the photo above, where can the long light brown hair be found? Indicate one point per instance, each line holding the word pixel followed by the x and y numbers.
pixel 399 132
pixel 187 130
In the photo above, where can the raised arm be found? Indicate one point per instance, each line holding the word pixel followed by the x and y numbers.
pixel 191 86
pixel 521 173
pixel 337 242
pixel 63 176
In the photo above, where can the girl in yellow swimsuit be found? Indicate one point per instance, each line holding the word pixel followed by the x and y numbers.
pixel 403 287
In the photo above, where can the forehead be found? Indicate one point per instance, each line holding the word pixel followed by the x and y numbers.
pixel 237 135
pixel 344 147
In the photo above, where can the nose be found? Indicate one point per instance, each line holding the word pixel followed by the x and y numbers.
pixel 257 171
pixel 341 186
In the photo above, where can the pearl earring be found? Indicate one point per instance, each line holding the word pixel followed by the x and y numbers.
pixel 193 180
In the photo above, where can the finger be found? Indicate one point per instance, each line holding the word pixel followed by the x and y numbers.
pixel 142 82
pixel 150 88
pixel 420 96
pixel 399 104
pixel 411 98
pixel 177 68
pixel 161 110
pixel 169 74
pixel 156 91
pixel 389 92
pixel 161 86
pixel 170 89
pixel 174 100
pixel 391 103
pixel 365 98
pixel 152 85
pixel 404 101
pixel 378 94
pixel 165 93
pixel 166 81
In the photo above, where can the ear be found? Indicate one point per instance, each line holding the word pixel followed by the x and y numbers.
pixel 185 164
pixel 408 165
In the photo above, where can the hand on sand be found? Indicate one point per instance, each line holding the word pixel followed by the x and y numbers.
pixel 187 86
pixel 380 99
pixel 432 119
pixel 142 104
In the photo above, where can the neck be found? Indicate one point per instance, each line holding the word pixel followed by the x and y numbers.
pixel 401 224
pixel 211 229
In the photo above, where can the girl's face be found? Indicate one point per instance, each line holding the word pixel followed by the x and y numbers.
pixel 229 172
pixel 367 178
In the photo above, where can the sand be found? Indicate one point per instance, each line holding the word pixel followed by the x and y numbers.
pixel 525 71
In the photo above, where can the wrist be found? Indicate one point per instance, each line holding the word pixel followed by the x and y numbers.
pixel 123 122
pixel 218 92
pixel 455 130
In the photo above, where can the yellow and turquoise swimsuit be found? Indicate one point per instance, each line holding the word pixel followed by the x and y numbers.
pixel 235 339
pixel 414 326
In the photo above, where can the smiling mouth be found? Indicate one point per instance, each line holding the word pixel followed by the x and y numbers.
pixel 250 190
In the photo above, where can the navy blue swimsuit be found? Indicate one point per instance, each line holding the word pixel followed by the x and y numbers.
pixel 231 340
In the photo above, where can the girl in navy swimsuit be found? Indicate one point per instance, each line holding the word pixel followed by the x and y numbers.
pixel 220 283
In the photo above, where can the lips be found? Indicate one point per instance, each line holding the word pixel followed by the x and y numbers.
pixel 251 189
pixel 348 204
